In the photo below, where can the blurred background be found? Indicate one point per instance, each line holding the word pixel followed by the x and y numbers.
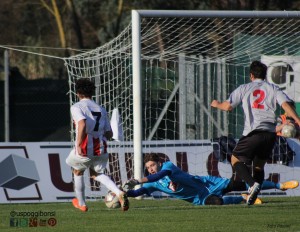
pixel 37 34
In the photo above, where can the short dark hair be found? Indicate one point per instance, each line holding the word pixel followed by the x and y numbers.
pixel 151 157
pixel 258 69
pixel 85 87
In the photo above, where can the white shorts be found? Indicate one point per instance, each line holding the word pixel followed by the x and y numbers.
pixel 80 163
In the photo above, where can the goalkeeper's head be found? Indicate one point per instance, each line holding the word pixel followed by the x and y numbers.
pixel 85 88
pixel 151 157
pixel 152 163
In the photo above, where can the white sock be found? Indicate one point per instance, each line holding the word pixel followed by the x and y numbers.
pixel 79 189
pixel 108 183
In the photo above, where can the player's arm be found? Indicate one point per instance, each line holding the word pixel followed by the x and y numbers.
pixel 151 178
pixel 108 134
pixel 81 135
pixel 279 124
pixel 138 192
pixel 279 127
pixel 221 105
pixel 291 112
pixel 155 177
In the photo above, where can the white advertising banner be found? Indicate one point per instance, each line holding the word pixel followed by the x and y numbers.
pixel 37 172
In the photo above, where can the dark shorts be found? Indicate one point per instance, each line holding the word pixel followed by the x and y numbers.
pixel 256 144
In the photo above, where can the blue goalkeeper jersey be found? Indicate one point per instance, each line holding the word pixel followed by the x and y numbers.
pixel 179 184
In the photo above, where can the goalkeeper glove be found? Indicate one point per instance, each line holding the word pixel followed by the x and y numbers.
pixel 129 184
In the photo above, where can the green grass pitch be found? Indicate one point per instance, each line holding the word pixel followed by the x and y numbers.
pixel 275 214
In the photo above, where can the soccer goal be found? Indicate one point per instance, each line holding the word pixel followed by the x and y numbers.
pixel 159 76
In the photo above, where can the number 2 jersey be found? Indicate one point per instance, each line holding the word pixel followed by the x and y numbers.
pixel 258 100
pixel 97 123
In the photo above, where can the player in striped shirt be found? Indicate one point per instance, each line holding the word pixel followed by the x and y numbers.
pixel 258 99
pixel 90 150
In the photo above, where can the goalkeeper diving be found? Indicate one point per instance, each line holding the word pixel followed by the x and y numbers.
pixel 198 190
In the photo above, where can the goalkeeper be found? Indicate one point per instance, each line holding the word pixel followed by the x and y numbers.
pixel 198 190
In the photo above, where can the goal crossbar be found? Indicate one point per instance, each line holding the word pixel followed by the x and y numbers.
pixel 217 14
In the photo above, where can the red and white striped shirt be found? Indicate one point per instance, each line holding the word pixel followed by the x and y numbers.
pixel 97 123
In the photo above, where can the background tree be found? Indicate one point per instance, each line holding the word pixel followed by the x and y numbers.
pixel 55 12
pixel 51 26
pixel 76 23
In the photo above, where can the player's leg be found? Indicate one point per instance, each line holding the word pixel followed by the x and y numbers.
pixel 79 164
pixel 109 184
pixel 291 184
pixel 237 185
pixel 99 165
pixel 264 143
pixel 259 170
pixel 218 186
pixel 97 173
pixel 79 188
pixel 288 185
pixel 257 146
pixel 243 155
pixel 242 158
pixel 262 153
pixel 243 172
pixel 106 181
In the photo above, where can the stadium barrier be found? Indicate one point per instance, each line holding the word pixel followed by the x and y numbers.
pixel 37 172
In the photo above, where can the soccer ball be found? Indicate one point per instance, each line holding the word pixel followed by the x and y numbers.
pixel 289 131
pixel 112 201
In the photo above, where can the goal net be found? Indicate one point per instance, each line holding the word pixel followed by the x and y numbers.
pixel 159 76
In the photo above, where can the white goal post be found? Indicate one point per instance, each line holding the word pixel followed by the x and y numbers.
pixel 137 39
pixel 162 72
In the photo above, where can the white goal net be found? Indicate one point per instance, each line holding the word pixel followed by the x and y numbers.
pixel 162 72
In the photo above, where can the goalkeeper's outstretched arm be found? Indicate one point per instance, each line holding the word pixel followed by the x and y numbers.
pixel 141 191
pixel 151 178
pixel 155 177
pixel 138 192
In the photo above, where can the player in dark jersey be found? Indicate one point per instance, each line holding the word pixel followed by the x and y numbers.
pixel 258 99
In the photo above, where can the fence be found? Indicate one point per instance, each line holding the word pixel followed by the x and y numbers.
pixel 39 109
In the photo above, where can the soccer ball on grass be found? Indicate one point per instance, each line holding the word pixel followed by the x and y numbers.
pixel 112 201
pixel 289 131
